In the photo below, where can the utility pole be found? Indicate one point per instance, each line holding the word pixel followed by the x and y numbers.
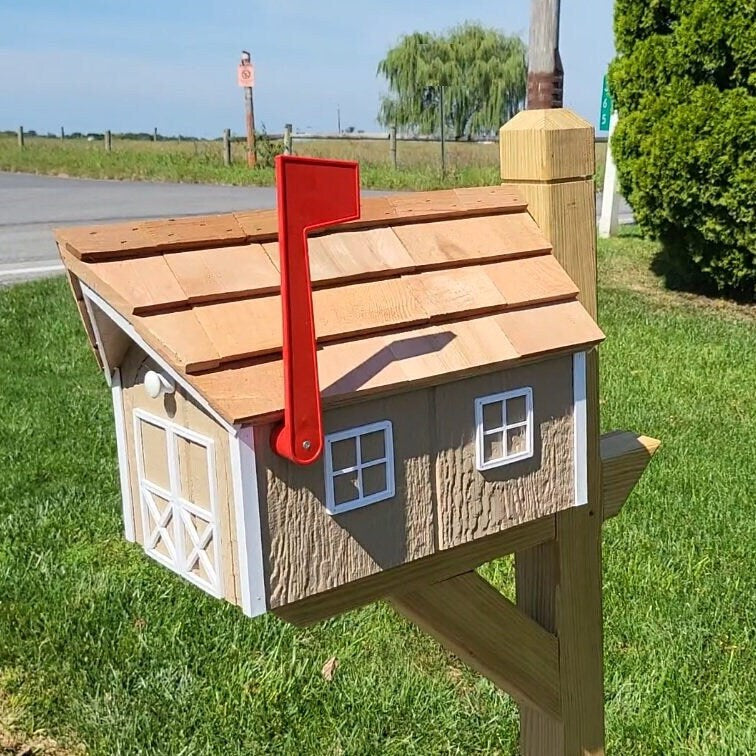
pixel 545 72
pixel 246 79
pixel 338 119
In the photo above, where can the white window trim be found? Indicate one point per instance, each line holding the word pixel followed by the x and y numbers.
pixel 172 430
pixel 502 398
pixel 388 446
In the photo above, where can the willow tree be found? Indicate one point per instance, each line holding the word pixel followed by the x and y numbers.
pixel 482 71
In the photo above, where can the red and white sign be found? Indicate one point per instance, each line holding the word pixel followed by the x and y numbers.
pixel 246 75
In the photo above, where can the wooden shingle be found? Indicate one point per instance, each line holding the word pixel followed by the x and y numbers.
pixel 424 288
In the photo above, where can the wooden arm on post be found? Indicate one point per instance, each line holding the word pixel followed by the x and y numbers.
pixel 470 618
pixel 624 457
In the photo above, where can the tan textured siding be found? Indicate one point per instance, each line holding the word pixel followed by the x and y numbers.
pixel 441 499
pixel 472 503
pixel 309 550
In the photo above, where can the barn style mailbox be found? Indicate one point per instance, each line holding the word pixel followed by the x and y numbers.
pixel 337 401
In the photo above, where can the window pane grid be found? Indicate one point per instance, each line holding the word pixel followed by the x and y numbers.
pixel 354 475
pixel 506 441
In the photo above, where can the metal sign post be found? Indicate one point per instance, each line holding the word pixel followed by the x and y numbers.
pixel 246 79
pixel 609 220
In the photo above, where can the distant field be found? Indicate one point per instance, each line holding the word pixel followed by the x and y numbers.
pixel 190 161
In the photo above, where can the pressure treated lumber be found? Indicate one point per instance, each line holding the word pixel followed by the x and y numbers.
pixel 548 156
pixel 469 617
pixel 624 457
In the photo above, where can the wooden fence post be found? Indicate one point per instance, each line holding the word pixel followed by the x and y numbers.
pixel 108 141
pixel 392 145
pixel 62 133
pixel 226 146
pixel 549 156
pixel 287 139
pixel 20 136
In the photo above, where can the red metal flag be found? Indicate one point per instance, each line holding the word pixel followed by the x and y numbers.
pixel 311 193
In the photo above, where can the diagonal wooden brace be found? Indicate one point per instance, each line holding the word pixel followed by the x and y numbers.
pixel 470 618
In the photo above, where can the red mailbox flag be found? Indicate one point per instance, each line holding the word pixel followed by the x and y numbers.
pixel 311 194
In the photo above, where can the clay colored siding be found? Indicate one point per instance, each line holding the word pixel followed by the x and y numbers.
pixel 309 550
pixel 472 503
pixel 185 412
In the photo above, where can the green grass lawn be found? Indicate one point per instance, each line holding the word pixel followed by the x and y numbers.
pixel 101 647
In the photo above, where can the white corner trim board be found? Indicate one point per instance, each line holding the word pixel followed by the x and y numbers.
pixel 123 457
pixel 128 329
pixel 247 515
pixel 580 432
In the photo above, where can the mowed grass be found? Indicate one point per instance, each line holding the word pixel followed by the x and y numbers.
pixel 101 647
pixel 189 161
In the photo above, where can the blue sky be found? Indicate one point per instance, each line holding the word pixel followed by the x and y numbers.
pixel 131 65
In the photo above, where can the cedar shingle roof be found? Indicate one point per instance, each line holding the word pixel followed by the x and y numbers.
pixel 422 289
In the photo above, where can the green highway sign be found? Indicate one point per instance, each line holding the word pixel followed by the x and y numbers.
pixel 606 107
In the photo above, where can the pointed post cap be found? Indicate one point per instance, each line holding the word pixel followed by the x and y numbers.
pixel 546 145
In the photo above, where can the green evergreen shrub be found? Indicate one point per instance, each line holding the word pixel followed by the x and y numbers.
pixel 684 82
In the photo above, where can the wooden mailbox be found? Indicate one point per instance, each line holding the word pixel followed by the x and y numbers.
pixel 458 374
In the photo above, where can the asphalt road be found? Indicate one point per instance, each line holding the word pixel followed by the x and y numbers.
pixel 31 206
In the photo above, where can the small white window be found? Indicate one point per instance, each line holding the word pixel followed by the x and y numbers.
pixel 504 428
pixel 359 467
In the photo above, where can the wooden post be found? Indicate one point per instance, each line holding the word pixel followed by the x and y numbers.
pixel 545 74
pixel 62 133
pixel 108 141
pixel 249 109
pixel 287 139
pixel 20 136
pixel 226 146
pixel 392 145
pixel 549 156
pixel 154 134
